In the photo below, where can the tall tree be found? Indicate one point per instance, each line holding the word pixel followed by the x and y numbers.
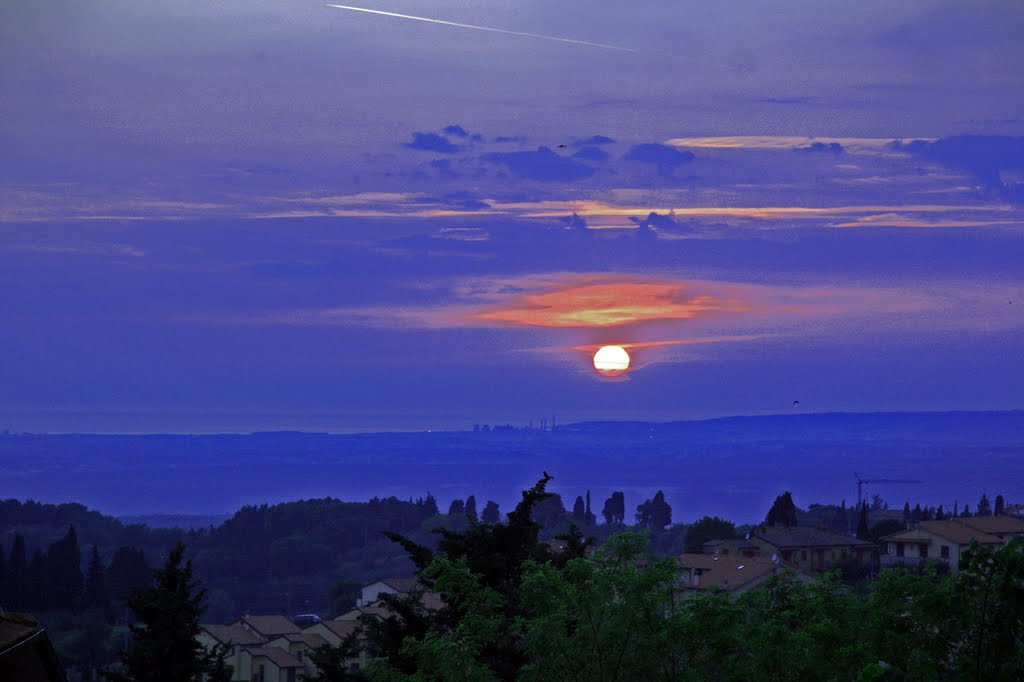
pixel 940 515
pixel 956 509
pixel 783 511
pixel 654 513
pixel 579 511
pixel 471 508
pixel 17 571
pixel 164 646
pixel 36 595
pixel 591 519
pixel 1000 506
pixel 967 511
pixel 457 508
pixel 984 506
pixel 430 505
pixel 95 596
pixel 64 572
pixel 906 512
pixel 491 513
pixel 863 531
pixel 706 529
pixel 918 513
pixel 127 571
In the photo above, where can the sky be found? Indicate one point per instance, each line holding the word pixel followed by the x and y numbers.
pixel 270 214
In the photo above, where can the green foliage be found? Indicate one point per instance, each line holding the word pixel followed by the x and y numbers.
pixel 164 646
pixel 885 527
pixel 614 511
pixel 783 511
pixel 332 662
pixel 708 528
pixel 655 513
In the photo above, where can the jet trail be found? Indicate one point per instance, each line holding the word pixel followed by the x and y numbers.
pixel 482 28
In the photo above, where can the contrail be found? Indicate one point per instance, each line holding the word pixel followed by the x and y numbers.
pixel 482 28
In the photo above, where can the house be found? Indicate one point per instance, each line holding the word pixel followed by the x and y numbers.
pixel 371 593
pixel 26 652
pixel 234 637
pixel 268 664
pixel 738 547
pixel 811 549
pixel 936 540
pixel 268 627
pixel 1005 527
pixel 732 573
pixel 333 632
pixel 299 645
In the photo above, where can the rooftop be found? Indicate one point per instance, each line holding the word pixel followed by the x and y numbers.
pixel 232 634
pixel 268 626
pixel 996 525
pixel 797 536
pixel 728 572
pixel 279 657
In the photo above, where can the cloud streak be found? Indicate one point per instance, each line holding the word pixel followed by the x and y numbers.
pixel 483 28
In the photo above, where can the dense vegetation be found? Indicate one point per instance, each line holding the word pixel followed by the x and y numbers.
pixel 514 610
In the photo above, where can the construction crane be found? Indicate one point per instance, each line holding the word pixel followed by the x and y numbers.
pixel 861 482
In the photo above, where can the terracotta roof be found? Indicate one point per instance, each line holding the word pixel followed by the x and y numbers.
pixel 956 533
pixel 269 626
pixel 279 657
pixel 795 537
pixel 232 634
pixel 995 525
pixel 727 572
pixel 738 544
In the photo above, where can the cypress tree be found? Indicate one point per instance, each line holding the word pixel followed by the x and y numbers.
pixel 36 596
pixel 591 520
pixel 783 511
pixel 17 574
pixel 579 511
pixel 95 596
pixel 471 507
pixel 984 506
pixel 64 572
pixel 906 512
pixel 430 505
pixel 456 508
pixel 1000 506
pixel 863 531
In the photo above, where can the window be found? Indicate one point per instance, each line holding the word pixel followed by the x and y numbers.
pixel 944 551
pixel 899 549
pixel 923 550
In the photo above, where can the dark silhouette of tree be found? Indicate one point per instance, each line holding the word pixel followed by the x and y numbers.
pixel 705 529
pixel 457 508
pixel 127 571
pixel 984 506
pixel 885 527
pixel 17 575
pixel 430 506
pixel 926 514
pixel 3 576
pixel 37 597
pixel 614 510
pixel 589 518
pixel 906 512
pixel 940 515
pixel 956 509
pixel 917 514
pixel 1000 506
pixel 64 578
pixel 164 646
pixel 863 532
pixel 655 513
pixel 95 595
pixel 471 508
pixel 579 511
pixel 491 513
pixel 783 511
pixel 496 555
pixel 967 511
pixel 549 511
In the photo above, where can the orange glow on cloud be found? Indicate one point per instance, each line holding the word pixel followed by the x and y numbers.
pixel 592 302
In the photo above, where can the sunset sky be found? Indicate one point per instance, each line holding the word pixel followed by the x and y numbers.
pixel 276 214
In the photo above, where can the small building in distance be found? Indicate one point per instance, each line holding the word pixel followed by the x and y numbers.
pixel 812 549
pixel 400 586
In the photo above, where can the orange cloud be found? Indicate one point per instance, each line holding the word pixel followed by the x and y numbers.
pixel 593 302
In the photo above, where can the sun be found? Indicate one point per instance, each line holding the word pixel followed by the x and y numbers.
pixel 611 361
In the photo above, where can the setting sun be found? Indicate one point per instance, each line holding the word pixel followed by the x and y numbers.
pixel 611 360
